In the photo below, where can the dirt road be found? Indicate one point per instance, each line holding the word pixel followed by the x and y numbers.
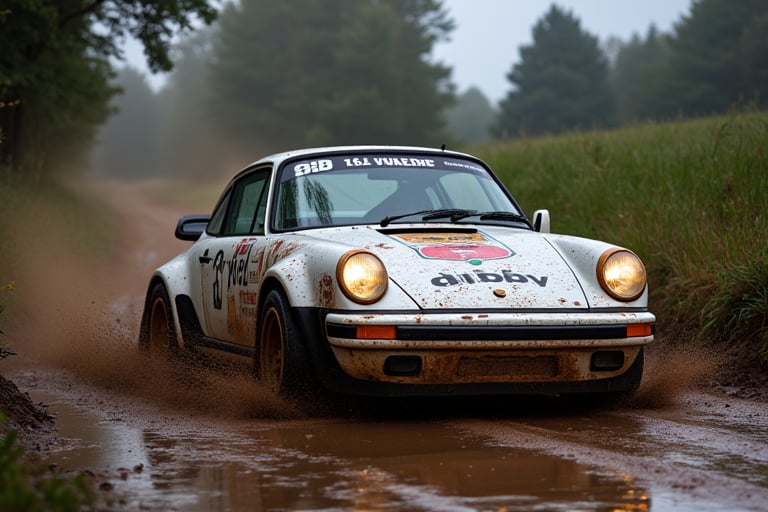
pixel 160 438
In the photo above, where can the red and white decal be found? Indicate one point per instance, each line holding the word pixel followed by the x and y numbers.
pixel 455 246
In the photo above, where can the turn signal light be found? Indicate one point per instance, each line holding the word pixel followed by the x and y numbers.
pixel 376 332
pixel 639 330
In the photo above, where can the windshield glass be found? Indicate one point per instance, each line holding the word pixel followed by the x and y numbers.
pixel 365 189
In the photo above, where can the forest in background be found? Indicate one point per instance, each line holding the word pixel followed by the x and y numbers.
pixel 372 84
pixel 268 76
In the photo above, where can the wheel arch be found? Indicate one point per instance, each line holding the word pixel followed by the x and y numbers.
pixel 173 295
pixel 271 283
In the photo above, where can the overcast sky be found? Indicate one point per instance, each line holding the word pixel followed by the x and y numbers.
pixel 484 44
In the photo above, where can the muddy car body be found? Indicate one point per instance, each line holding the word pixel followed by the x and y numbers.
pixel 397 271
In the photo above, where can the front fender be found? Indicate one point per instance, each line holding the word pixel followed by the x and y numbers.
pixel 309 280
pixel 582 255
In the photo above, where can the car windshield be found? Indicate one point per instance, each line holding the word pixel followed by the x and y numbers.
pixel 388 188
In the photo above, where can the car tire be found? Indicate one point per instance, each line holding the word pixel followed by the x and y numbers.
pixel 637 373
pixel 282 364
pixel 158 330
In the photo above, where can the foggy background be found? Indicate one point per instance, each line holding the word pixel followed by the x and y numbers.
pixel 253 77
pixel 483 45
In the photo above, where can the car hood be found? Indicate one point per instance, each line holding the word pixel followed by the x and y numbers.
pixel 488 268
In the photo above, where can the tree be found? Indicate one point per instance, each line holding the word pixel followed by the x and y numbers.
pixel 55 73
pixel 129 138
pixel 637 78
pixel 470 119
pixel 192 144
pixel 718 57
pixel 386 89
pixel 265 78
pixel 560 82
pixel 365 85
pixel 347 71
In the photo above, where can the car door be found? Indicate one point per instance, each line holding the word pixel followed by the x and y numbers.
pixel 229 260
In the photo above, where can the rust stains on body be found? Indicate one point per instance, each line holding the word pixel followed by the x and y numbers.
pixel 326 292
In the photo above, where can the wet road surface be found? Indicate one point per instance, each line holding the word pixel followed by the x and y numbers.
pixel 703 452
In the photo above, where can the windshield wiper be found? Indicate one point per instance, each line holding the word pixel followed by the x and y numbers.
pixel 457 214
pixel 389 218
pixel 514 217
pixel 503 216
pixel 448 212
pixel 428 215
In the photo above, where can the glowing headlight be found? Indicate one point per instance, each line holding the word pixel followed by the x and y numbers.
pixel 362 276
pixel 621 274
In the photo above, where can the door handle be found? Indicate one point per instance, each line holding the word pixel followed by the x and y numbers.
pixel 205 259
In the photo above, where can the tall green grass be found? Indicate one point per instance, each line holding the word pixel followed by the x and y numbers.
pixel 690 197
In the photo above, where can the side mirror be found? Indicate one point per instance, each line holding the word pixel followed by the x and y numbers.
pixel 541 221
pixel 190 227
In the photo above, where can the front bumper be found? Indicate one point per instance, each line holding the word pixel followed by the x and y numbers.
pixel 479 353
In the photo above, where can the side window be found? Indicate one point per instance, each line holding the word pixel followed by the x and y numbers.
pixel 217 219
pixel 245 215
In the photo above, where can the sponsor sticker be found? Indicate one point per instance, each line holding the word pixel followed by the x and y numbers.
pixel 330 163
pixel 471 247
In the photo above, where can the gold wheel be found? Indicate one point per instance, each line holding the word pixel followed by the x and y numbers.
pixel 159 332
pixel 272 354
pixel 157 338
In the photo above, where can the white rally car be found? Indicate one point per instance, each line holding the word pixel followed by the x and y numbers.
pixel 397 271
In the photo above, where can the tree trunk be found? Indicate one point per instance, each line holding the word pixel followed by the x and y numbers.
pixel 11 125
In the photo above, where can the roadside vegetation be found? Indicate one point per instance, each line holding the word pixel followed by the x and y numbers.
pixel 689 197
pixel 28 487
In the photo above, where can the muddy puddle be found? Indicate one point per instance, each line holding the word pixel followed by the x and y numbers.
pixel 326 464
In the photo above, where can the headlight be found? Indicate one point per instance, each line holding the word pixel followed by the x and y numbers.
pixel 621 274
pixel 362 276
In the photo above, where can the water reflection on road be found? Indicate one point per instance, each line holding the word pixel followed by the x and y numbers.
pixel 337 465
pixel 544 462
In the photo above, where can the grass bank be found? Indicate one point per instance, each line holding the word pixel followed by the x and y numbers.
pixel 690 197
pixel 71 216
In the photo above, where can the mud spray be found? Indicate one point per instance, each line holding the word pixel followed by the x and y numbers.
pixel 672 368
pixel 83 317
